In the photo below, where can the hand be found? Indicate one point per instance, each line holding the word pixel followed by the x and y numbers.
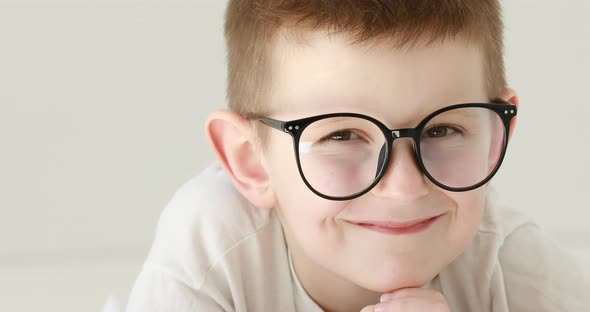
pixel 410 300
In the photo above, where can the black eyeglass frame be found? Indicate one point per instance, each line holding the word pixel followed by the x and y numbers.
pixel 506 111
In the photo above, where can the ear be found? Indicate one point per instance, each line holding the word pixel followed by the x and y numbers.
pixel 231 139
pixel 509 95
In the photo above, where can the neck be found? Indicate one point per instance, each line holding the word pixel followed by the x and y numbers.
pixel 330 291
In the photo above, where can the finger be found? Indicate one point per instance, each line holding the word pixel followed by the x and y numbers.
pixel 368 309
pixel 412 293
pixel 412 304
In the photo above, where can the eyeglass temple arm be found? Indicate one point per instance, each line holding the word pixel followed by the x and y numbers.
pixel 277 124
pixel 500 101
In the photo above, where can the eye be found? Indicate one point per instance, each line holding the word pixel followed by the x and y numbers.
pixel 440 131
pixel 341 135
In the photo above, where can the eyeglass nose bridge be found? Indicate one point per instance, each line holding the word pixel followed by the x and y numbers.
pixel 395 134
pixel 412 133
pixel 403 133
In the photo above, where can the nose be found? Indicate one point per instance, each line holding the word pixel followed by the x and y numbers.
pixel 403 180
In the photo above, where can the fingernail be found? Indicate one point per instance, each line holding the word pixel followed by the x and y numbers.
pixel 386 297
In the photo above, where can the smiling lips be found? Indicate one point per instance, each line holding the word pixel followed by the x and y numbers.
pixel 398 228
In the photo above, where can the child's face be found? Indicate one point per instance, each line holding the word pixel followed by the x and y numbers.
pixel 328 74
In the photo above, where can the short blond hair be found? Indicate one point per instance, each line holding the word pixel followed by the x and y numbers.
pixel 251 25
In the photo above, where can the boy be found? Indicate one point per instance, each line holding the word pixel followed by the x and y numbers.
pixel 392 118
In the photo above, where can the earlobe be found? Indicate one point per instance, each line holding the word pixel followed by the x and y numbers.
pixel 510 96
pixel 231 139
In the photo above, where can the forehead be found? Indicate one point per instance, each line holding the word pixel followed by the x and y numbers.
pixel 318 73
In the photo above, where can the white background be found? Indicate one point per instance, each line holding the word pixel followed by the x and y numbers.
pixel 102 105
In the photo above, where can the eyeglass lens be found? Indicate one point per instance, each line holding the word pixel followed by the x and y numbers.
pixel 342 156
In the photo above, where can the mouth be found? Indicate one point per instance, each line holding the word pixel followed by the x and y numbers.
pixel 398 228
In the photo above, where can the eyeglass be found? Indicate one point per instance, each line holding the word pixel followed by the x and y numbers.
pixel 342 156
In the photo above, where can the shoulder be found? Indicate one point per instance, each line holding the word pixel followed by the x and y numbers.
pixel 539 274
pixel 204 224
pixel 213 248
pixel 512 264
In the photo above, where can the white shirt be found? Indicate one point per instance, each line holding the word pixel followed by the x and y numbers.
pixel 214 251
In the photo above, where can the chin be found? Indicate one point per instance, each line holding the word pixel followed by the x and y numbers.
pixel 385 286
pixel 388 280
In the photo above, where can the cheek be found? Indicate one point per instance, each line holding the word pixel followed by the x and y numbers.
pixel 467 216
pixel 285 179
pixel 299 206
pixel 308 220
